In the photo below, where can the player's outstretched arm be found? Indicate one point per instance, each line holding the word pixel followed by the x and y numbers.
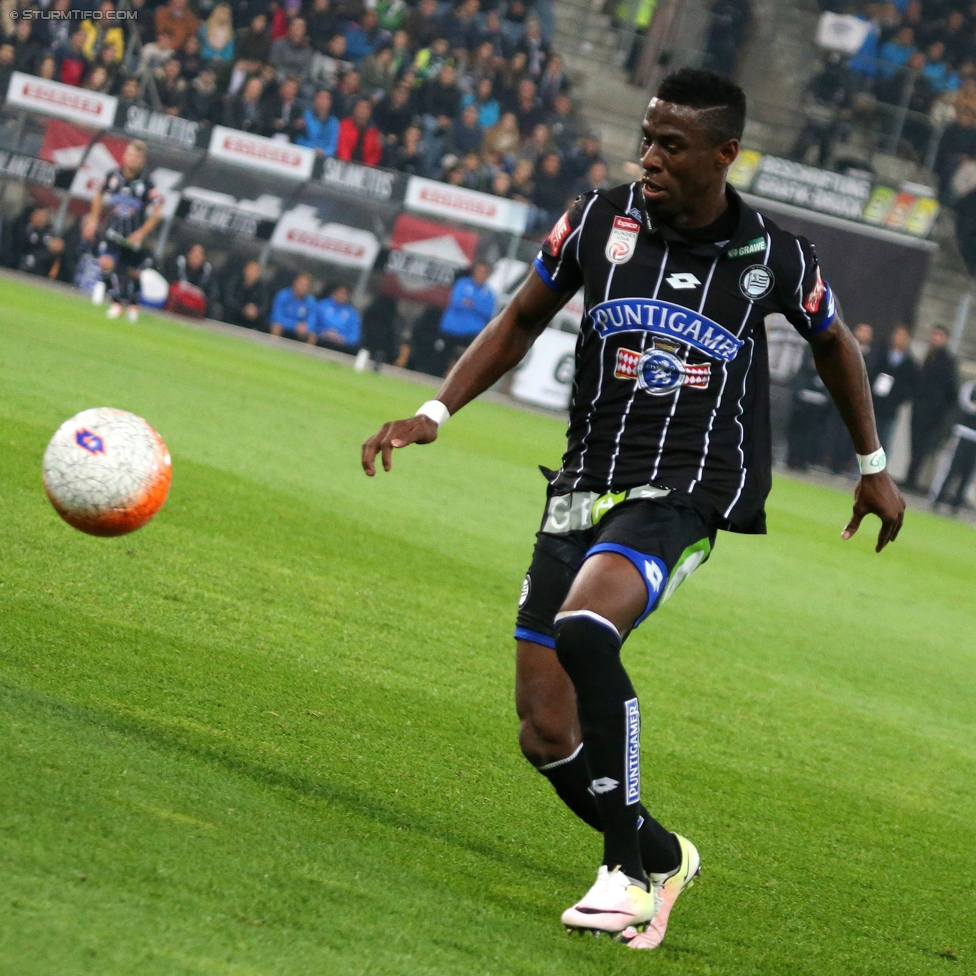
pixel 500 347
pixel 841 367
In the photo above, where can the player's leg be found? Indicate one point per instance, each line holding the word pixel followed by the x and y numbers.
pixel 545 700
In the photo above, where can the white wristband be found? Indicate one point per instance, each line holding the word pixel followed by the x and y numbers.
pixel 873 463
pixel 436 411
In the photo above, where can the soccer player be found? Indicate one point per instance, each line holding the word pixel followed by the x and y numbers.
pixel 132 207
pixel 668 442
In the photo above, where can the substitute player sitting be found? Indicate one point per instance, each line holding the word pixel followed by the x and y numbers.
pixel 132 208
pixel 668 442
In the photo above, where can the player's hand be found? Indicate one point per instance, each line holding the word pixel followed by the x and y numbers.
pixel 877 494
pixel 88 231
pixel 136 238
pixel 399 433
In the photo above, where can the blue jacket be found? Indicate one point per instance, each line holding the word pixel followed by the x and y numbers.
pixel 344 319
pixel 320 135
pixel 288 310
pixel 469 310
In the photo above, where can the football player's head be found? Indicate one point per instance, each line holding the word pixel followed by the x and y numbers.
pixel 689 138
pixel 134 158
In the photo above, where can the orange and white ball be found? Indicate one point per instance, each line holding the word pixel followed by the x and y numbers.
pixel 107 472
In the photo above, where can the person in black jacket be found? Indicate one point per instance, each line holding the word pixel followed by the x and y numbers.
pixel 935 396
pixel 962 463
pixel 193 268
pixel 36 249
pixel 893 383
pixel 811 402
pixel 248 299
pixel 247 111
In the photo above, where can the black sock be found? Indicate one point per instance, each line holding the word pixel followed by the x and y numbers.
pixel 588 648
pixel 660 853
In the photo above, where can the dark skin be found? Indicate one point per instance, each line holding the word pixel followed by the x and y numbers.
pixel 683 185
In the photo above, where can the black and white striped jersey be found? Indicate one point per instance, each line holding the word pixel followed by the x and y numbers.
pixel 126 202
pixel 672 375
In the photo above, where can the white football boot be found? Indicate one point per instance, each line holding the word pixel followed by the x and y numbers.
pixel 613 904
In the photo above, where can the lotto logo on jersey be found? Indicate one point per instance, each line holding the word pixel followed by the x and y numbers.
pixel 559 233
pixel 659 372
pixel 623 240
pixel 812 302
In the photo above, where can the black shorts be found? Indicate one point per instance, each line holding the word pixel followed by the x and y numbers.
pixel 666 538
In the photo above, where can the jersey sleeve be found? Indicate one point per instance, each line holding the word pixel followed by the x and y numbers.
pixel 557 263
pixel 806 299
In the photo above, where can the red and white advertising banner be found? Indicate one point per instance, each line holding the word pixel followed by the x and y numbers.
pixel 300 231
pixel 243 149
pixel 425 258
pixel 466 206
pixel 65 101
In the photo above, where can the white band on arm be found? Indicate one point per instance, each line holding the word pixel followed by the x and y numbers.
pixel 873 463
pixel 436 411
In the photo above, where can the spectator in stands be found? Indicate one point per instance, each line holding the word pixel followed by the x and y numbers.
pixel 465 135
pixel 536 51
pixel 323 24
pixel 252 43
pixel 727 30
pixel 471 306
pixel 829 104
pixel 247 299
pixel 393 114
pixel 579 160
pixel 359 140
pixel 171 88
pixel 956 37
pixel 440 100
pixel 379 73
pixel 429 60
pixel 337 322
pixel 936 388
pixel 47 68
pixel 381 332
pixel 596 178
pixel 130 94
pixel 893 383
pixel 28 52
pixel 484 101
pixel 203 98
pixel 459 27
pixel 551 190
pixel 364 36
pixel 422 24
pixel 284 111
pixel 97 80
pixel 194 269
pixel 292 54
pixel 510 74
pixel 7 53
pixel 529 110
pixel 217 35
pixel 896 53
pixel 916 131
pixel 332 65
pixel 502 138
pixel 154 54
pixel 523 185
pixel 347 93
pixel 294 310
pixel 958 143
pixel 246 111
pixel 102 33
pixel 412 157
pixel 321 126
pixel 553 82
pixel 564 125
pixel 178 20
pixel 191 58
pixel 36 248
pixel 73 64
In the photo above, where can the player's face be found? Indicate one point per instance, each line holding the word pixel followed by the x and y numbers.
pixel 133 160
pixel 682 166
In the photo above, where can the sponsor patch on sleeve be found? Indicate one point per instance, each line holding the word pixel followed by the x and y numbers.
pixel 812 301
pixel 559 233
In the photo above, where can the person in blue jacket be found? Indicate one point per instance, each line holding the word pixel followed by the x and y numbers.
pixel 337 321
pixel 294 313
pixel 321 126
pixel 470 309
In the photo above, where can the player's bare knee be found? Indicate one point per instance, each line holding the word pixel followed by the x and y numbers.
pixel 546 736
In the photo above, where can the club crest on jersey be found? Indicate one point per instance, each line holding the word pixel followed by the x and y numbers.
pixel 665 320
pixel 557 236
pixel 622 241
pixel 756 282
pixel 659 371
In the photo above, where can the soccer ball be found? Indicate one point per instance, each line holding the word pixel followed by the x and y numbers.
pixel 106 472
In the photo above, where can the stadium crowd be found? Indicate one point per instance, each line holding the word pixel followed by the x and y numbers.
pixel 471 94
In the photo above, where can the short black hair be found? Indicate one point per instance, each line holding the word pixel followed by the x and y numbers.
pixel 724 101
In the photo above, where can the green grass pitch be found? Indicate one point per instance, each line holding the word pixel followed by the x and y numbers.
pixel 273 732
